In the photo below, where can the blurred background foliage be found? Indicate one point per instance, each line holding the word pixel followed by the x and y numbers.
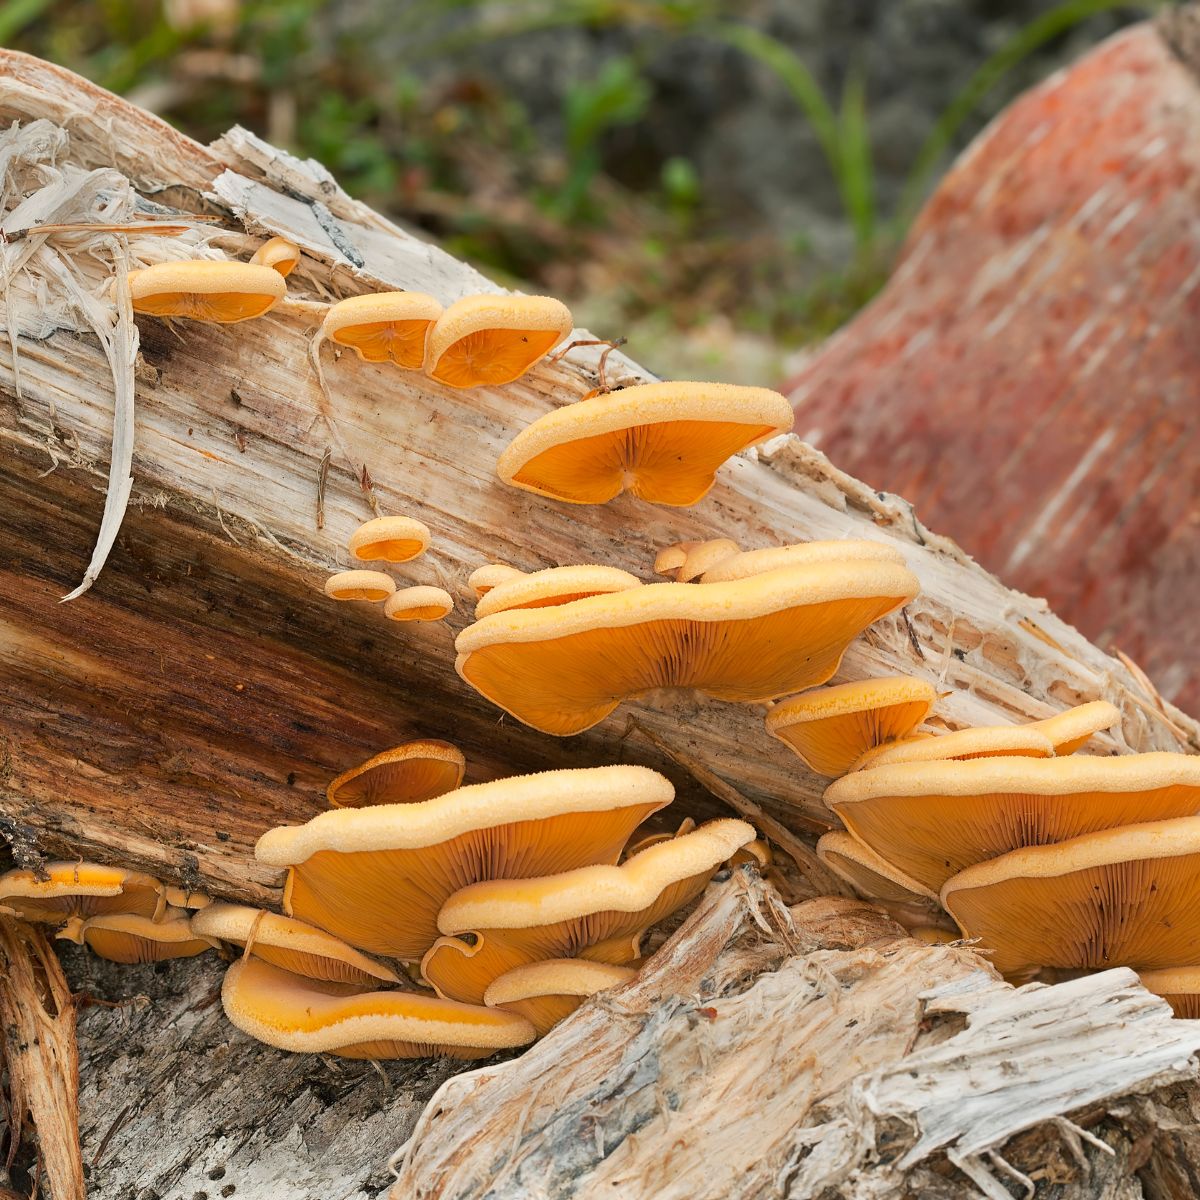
pixel 722 180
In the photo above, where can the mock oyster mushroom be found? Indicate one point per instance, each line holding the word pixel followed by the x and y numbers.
pixel 1178 986
pixel 308 1016
pixel 564 669
pixel 983 741
pixel 128 938
pixel 547 992
pixel 1069 730
pixel 62 890
pixel 553 586
pixel 483 579
pixel 373 586
pixel 868 873
pixel 390 539
pixel 831 728
pixel 377 877
pixel 204 290
pixel 279 254
pixel 662 442
pixel 422 603
pixel 178 897
pixel 405 774
pixel 689 560
pixel 384 326
pixel 772 558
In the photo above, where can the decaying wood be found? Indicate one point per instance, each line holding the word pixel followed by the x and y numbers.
pixel 819 1052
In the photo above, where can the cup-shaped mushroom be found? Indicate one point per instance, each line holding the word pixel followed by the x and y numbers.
pixel 564 669
pixel 1178 986
pixel 377 877
pixel 870 874
pixel 178 897
pixel 598 913
pixel 982 741
pixel 1128 896
pixel 933 819
pixel 547 992
pixel 62 890
pixel 279 254
pixel 405 774
pixel 1067 731
pixel 390 539
pixel 421 603
pixel 128 938
pixel 771 558
pixel 487 341
pixel 831 728
pixel 671 558
pixel 384 326
pixel 373 586
pixel 662 442
pixel 293 945
pixel 204 290
pixel 308 1016
pixel 490 575
pixel 554 586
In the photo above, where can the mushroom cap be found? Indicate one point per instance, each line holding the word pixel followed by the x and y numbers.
pixel 490 575
pixel 376 877
pixel 291 944
pixel 772 558
pixel 1069 730
pixel 670 558
pixel 663 442
pixel 405 774
pixel 1118 897
pixel 868 873
pixel 831 728
pixel 554 586
pixel 293 1013
pixel 563 670
pixel 204 290
pixel 178 897
pixel 129 938
pixel 360 585
pixel 643 841
pixel 934 819
pixel 390 539
pixel 981 741
pixel 596 912
pixel 700 557
pixel 421 603
pixel 1178 986
pixel 79 889
pixel 546 992
pixel 384 326
pixel 279 254
pixel 491 340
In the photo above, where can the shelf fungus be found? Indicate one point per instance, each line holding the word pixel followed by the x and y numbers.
pixel 293 945
pixel 662 442
pixel 1178 986
pixel 599 912
pixel 390 539
pixel 686 561
pixel 129 938
pixel 563 670
pixel 62 890
pixel 178 897
pixel 421 603
pixel 360 585
pixel 1069 730
pixel 544 993
pixel 554 586
pixel 377 877
pixel 868 873
pixel 933 819
pixel 490 340
pixel 307 1016
pixel 490 575
pixel 831 728
pixel 1118 897
pixel 279 254
pixel 963 745
pixel 384 326
pixel 405 774
pixel 773 558
pixel 205 290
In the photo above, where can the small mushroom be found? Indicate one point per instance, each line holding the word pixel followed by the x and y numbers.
pixel 384 326
pixel 700 557
pixel 292 945
pixel 376 877
pixel 662 442
pixel 389 539
pixel 405 774
pixel 1069 730
pixel 547 992
pixel 129 938
pixel 831 728
pixel 981 741
pixel 487 341
pixel 933 819
pixel 554 586
pixel 307 1016
pixel 1178 986
pixel 564 669
pixel 360 585
pixel 643 841
pixel 483 579
pixel 62 890
pixel 177 897
pixel 670 558
pixel 204 290
pixel 772 558
pixel 418 604
pixel 279 254
pixel 870 874
pixel 596 912
pixel 1128 896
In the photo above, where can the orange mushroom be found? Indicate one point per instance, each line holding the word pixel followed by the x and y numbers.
pixel 405 774
pixel 390 539
pixel 129 938
pixel 384 326
pixel 418 604
pixel 545 993
pixel 205 290
pixel 62 890
pixel 554 586
pixel 279 254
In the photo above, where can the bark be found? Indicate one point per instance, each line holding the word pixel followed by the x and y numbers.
pixel 204 689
